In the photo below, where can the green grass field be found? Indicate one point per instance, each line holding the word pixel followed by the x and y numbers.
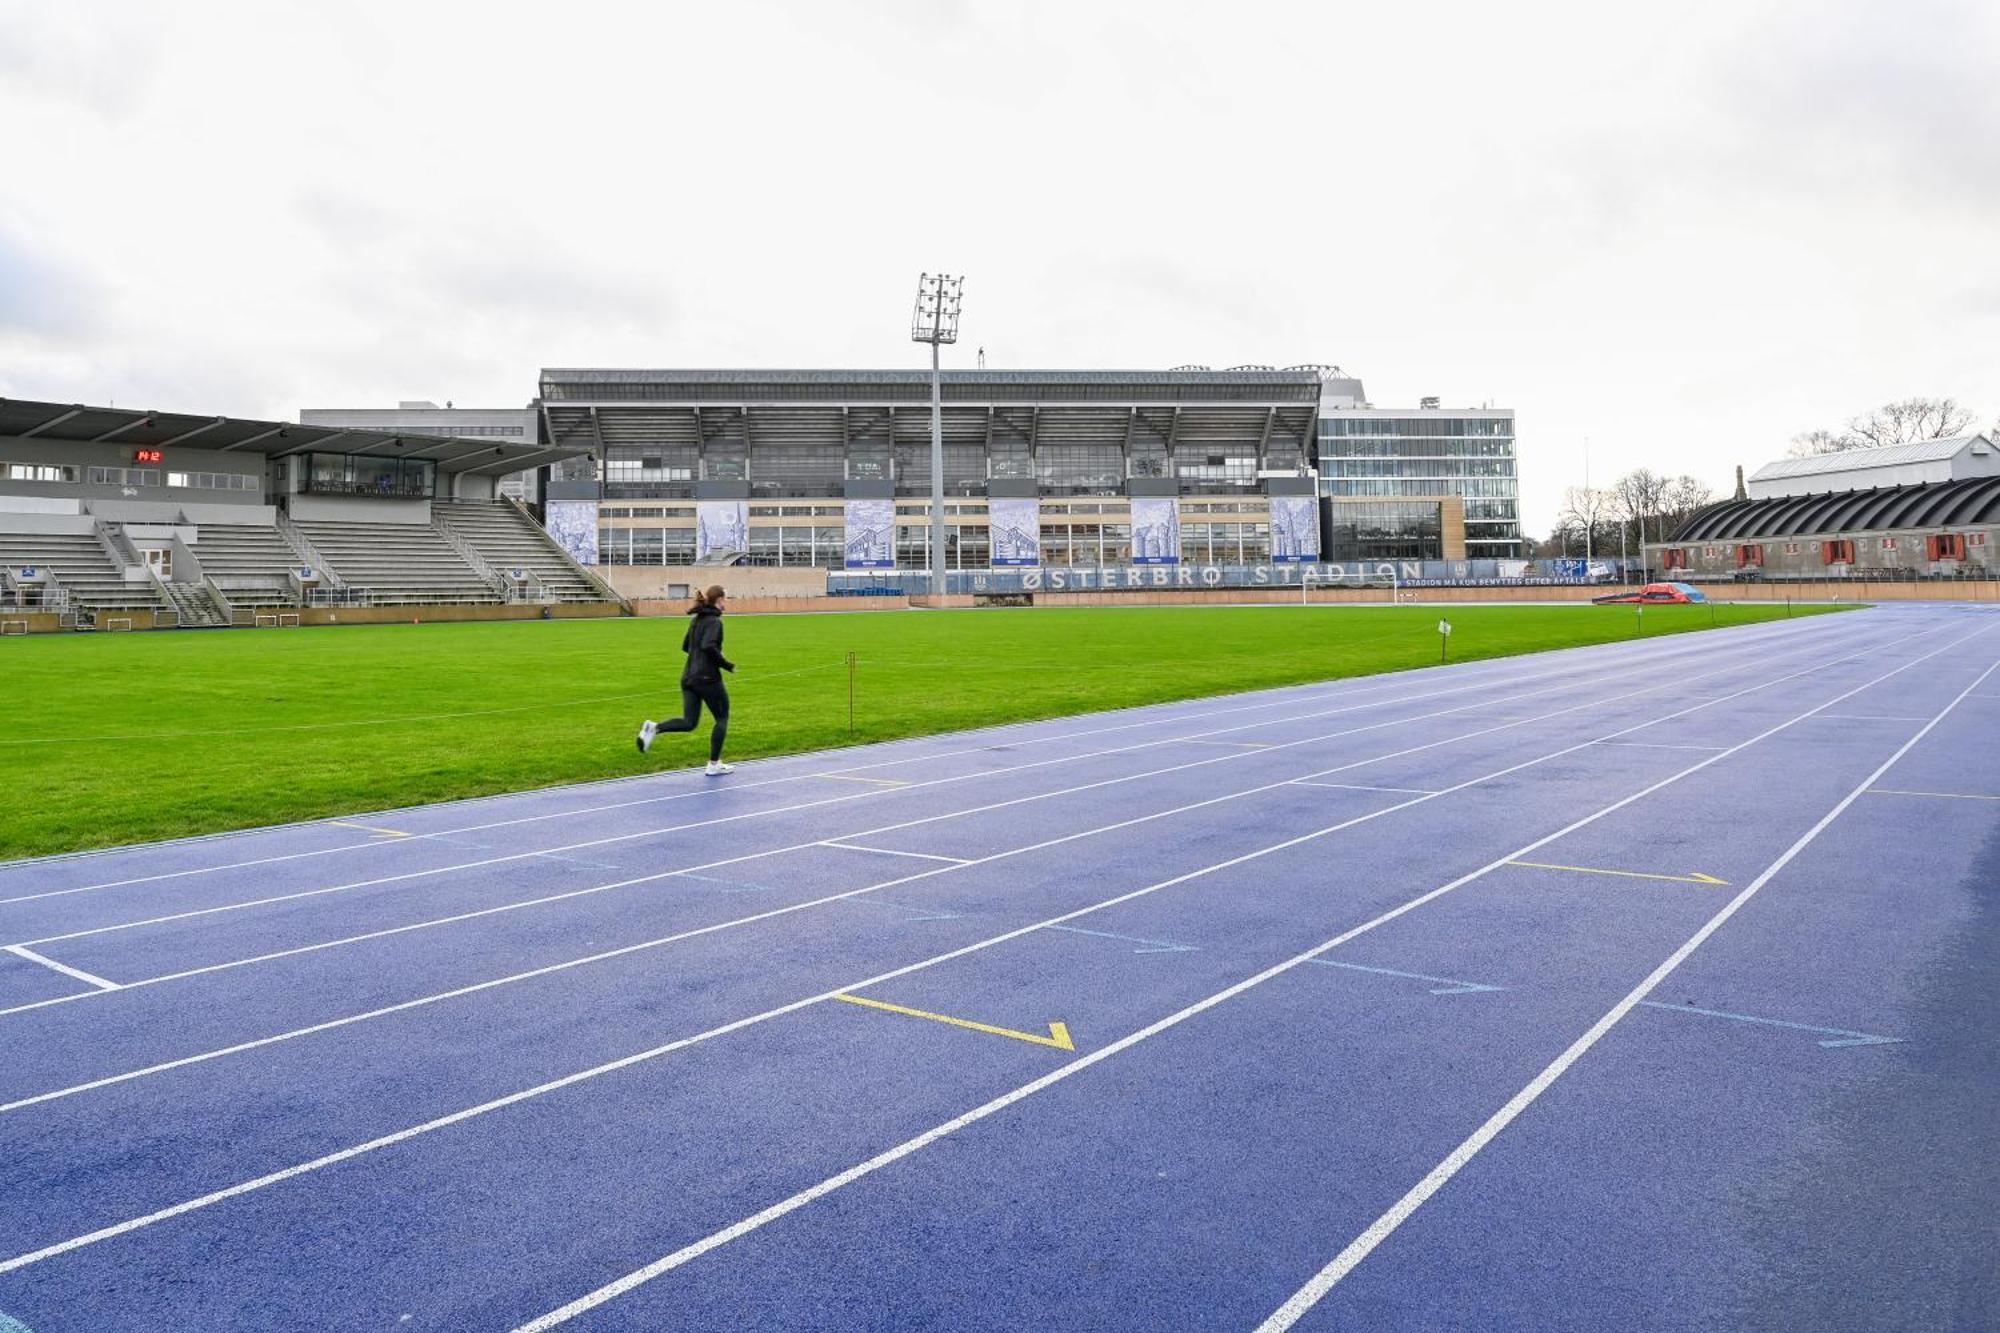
pixel 117 738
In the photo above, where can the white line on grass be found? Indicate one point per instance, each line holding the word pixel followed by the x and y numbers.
pixel 930 819
pixel 1346 688
pixel 745 1226
pixel 1382 1227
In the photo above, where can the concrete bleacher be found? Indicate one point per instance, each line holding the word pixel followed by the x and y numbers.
pixel 249 563
pixel 506 538
pixel 387 564
pixel 81 566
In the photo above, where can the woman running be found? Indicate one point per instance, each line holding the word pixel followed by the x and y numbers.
pixel 701 680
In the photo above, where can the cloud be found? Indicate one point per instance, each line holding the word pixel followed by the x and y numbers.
pixel 42 296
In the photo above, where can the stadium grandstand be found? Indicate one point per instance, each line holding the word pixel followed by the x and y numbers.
pixel 128 519
pixel 831 469
pixel 1924 510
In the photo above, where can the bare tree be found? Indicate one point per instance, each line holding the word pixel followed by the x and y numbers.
pixel 1589 510
pixel 1903 422
pixel 1638 496
pixel 1682 497
pixel 1812 443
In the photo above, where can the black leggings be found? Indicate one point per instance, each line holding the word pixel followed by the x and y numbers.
pixel 692 698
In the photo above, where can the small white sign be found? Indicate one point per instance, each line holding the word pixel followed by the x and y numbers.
pixel 1444 627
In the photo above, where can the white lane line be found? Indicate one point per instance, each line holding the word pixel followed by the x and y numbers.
pixel 1940 795
pixel 1382 1227
pixel 809 805
pixel 1184 710
pixel 931 819
pixel 1866 717
pixel 687 1253
pixel 88 978
pixel 894 851
pixel 735 1025
pixel 1658 745
pixel 1360 786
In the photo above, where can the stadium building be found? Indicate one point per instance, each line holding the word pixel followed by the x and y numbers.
pixel 1929 509
pixel 1423 483
pixel 1076 474
pixel 133 519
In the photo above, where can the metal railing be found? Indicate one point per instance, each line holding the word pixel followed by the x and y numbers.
pixel 493 578
pixel 307 553
pixel 609 593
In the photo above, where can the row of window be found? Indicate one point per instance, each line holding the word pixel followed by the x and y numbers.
pixel 1446 427
pixel 1834 551
pixel 133 476
pixel 1491 488
pixel 967 547
pixel 1341 468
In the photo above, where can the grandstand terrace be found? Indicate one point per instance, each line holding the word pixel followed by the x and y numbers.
pixel 173 518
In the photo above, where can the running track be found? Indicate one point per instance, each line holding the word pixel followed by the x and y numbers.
pixel 1640 986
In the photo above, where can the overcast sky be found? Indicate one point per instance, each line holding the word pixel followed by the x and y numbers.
pixel 1682 232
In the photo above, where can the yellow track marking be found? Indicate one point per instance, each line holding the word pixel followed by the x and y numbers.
pixel 1058 1033
pixel 369 828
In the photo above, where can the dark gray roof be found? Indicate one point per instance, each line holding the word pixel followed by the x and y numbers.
pixel 1937 504
pixel 78 424
pixel 725 385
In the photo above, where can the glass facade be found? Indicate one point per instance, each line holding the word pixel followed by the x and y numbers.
pixel 1399 457
pixel 1387 530
pixel 365 474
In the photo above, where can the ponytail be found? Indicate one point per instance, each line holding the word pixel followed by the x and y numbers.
pixel 708 596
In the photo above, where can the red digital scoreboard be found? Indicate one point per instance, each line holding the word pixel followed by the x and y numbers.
pixel 147 455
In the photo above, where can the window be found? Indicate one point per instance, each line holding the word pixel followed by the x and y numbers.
pixel 124 476
pixel 1975 539
pixel 1887 544
pixel 1791 548
pixel 1675 557
pixel 1749 556
pixel 357 474
pixel 211 481
pixel 1837 552
pixel 1945 546
pixel 45 472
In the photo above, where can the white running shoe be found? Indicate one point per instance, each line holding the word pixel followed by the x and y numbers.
pixel 647 730
pixel 717 768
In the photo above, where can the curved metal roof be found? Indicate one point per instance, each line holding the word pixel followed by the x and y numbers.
pixel 1930 505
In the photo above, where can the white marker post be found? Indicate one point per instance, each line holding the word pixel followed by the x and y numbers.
pixel 1444 637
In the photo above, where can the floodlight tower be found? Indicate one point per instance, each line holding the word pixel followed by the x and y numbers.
pixel 935 321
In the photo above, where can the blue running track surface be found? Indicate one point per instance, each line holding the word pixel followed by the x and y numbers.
pixel 1641 986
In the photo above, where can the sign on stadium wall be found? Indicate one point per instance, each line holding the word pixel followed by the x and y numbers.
pixel 1294 528
pixel 573 523
pixel 1156 530
pixel 1216 576
pixel 871 534
pixel 1016 525
pixel 720 525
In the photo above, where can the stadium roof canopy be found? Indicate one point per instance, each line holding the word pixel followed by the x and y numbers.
pixel 75 423
pixel 1941 504
pixel 1123 386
